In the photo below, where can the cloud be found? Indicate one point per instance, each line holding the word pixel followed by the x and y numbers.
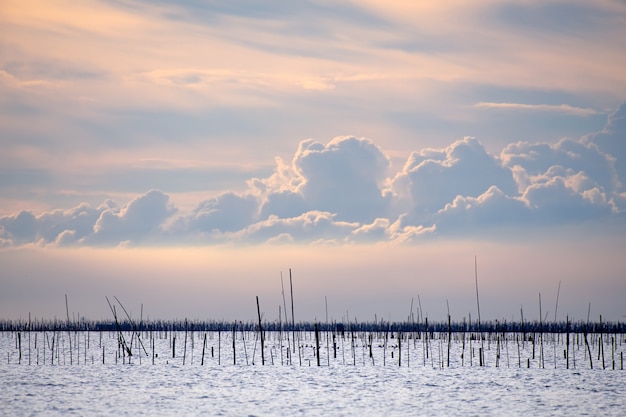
pixel 227 212
pixel 62 227
pixel 432 178
pixel 312 226
pixel 577 155
pixel 561 196
pixel 383 230
pixel 491 210
pixel 66 227
pixel 283 204
pixel 21 228
pixel 343 192
pixel 344 177
pixel 562 108
pixel 591 167
pixel 139 221
pixel 612 141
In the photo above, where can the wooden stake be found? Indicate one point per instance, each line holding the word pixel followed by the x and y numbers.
pixel 449 337
pixel 261 327
pixel 567 342
pixel 286 320
pixel 185 345
pixel 317 344
pixel 203 348
pixel 541 362
pixel 293 319
pixel 478 305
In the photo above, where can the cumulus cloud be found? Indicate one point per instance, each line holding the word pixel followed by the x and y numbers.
pixel 62 227
pixel 66 227
pixel 227 212
pixel 343 177
pixel 491 209
pixel 566 198
pixel 346 177
pixel 612 142
pixel 343 192
pixel 139 221
pixel 577 155
pixel 21 228
pixel 433 178
pixel 136 222
pixel 309 227
pixel 283 204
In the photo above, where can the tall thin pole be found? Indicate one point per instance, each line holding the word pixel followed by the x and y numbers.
pixel 69 335
pixel 317 344
pixel 541 362
pixel 558 291
pixel 293 320
pixel 285 312
pixel 327 341
pixel 477 299
pixel 482 343
pixel 260 331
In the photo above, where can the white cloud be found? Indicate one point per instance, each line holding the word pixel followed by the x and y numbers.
pixel 343 177
pixel 283 204
pixel 309 227
pixel 342 192
pixel 433 178
pixel 556 201
pixel 578 155
pixel 227 212
pixel 21 228
pixel 378 231
pixel 612 141
pixel 491 210
pixel 139 221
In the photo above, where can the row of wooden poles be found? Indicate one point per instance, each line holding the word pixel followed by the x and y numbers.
pixel 411 329
pixel 367 332
pixel 50 347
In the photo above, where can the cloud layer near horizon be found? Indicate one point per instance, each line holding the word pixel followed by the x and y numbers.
pixel 345 192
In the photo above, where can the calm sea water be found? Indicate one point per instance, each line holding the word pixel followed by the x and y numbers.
pixel 353 383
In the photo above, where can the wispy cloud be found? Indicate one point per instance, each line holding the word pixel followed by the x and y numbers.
pixel 560 108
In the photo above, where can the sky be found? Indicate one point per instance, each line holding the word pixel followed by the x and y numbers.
pixel 182 155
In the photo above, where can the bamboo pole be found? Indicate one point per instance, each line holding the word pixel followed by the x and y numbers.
pixel 327 341
pixel 203 348
pixel 67 310
pixel 29 332
pixel 293 319
pixel 317 344
pixel 601 344
pixel 567 342
pixel 399 348
pixel 286 320
pixel 541 359
pixel 482 345
pixel 449 336
pixel 243 339
pixel 261 328
pixel 185 344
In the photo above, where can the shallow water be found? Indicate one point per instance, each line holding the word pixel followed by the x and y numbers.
pixel 342 388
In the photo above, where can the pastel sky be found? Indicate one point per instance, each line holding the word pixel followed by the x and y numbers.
pixel 182 154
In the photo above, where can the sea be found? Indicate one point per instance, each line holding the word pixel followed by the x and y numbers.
pixel 359 374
